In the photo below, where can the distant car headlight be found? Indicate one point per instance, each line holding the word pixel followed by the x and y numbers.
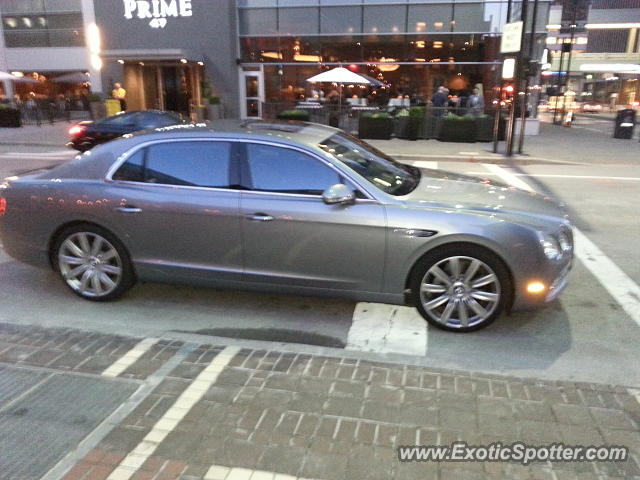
pixel 550 246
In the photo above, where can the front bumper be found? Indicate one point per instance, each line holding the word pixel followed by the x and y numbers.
pixel 556 278
pixel 558 285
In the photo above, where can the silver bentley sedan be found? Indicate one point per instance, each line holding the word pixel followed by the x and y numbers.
pixel 287 207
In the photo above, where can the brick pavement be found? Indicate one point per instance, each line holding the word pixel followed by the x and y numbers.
pixel 329 417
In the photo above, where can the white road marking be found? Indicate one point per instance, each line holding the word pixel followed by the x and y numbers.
pixel 129 358
pixel 508 177
pixel 378 327
pixel 426 164
pixel 469 153
pixel 551 175
pixel 234 473
pixel 619 285
pixel 181 407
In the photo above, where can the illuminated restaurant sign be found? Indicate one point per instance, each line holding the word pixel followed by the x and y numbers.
pixel 157 11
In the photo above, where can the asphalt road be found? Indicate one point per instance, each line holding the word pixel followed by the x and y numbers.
pixel 586 335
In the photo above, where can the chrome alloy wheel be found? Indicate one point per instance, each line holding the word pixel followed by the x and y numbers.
pixel 460 292
pixel 90 264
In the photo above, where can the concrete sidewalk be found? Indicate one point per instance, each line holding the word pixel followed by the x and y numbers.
pixel 580 144
pixel 224 412
pixel 47 135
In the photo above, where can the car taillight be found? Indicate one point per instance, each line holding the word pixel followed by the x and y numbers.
pixel 76 130
pixel 3 205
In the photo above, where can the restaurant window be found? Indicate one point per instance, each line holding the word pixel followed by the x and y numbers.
pixel 341 20
pixel 298 20
pixel 385 19
pixel 430 18
pixel 470 17
pixel 42 23
pixel 258 21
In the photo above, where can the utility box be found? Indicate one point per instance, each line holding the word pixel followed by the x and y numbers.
pixel 625 121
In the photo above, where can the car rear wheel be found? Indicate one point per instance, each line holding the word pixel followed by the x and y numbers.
pixel 461 288
pixel 93 263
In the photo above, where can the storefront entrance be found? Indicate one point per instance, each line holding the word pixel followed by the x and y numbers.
pixel 251 92
pixel 173 86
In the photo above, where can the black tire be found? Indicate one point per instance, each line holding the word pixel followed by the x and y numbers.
pixel 466 254
pixel 122 281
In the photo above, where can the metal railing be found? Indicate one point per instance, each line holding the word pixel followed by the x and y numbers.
pixel 38 112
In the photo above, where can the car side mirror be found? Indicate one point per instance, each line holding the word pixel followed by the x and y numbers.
pixel 338 194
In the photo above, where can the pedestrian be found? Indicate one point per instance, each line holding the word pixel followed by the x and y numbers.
pixel 439 101
pixel 476 103
pixel 120 94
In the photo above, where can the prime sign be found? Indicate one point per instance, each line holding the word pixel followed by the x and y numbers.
pixel 158 11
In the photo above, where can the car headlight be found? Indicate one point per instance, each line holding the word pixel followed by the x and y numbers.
pixel 550 246
pixel 565 242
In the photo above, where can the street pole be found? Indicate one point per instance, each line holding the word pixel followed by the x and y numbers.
pixel 558 84
pixel 518 79
pixel 525 97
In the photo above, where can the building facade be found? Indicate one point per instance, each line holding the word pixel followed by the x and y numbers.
pixel 257 54
pixel 43 39
pixel 605 60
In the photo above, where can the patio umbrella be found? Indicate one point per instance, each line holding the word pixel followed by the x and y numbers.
pixel 75 77
pixel 7 76
pixel 338 75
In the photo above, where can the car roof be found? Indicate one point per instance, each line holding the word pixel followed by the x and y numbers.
pixel 97 161
pixel 293 132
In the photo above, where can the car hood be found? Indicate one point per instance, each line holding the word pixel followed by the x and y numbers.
pixel 438 188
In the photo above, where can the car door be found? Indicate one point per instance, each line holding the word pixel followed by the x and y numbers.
pixel 178 210
pixel 292 237
pixel 114 127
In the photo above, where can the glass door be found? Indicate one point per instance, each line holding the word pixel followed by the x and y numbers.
pixel 251 93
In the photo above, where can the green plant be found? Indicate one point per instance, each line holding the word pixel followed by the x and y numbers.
pixel 94 97
pixel 4 106
pixel 295 114
pixel 377 115
pixel 213 100
pixel 402 113
pixel 416 112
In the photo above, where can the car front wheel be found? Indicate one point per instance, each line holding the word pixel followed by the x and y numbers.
pixel 93 263
pixel 461 288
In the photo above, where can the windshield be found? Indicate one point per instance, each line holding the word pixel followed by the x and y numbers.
pixel 379 169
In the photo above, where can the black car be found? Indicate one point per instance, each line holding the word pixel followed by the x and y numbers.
pixel 88 134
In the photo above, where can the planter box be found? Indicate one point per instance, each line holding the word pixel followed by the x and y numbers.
pixel 531 126
pixel 375 128
pixel 430 127
pixel 484 129
pixel 214 112
pixel 457 131
pixel 10 118
pixel 98 111
pixel 401 127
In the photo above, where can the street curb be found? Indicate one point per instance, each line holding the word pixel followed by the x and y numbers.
pixel 33 144
pixel 496 159
pixel 427 361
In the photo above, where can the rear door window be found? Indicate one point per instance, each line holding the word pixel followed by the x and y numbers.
pixel 193 164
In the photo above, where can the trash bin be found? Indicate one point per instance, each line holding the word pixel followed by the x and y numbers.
pixel 625 121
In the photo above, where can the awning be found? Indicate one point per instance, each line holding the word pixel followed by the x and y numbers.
pixel 160 54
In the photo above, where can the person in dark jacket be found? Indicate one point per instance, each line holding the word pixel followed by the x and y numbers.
pixel 439 101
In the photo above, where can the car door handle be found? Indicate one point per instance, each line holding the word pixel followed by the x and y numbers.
pixel 260 217
pixel 129 210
